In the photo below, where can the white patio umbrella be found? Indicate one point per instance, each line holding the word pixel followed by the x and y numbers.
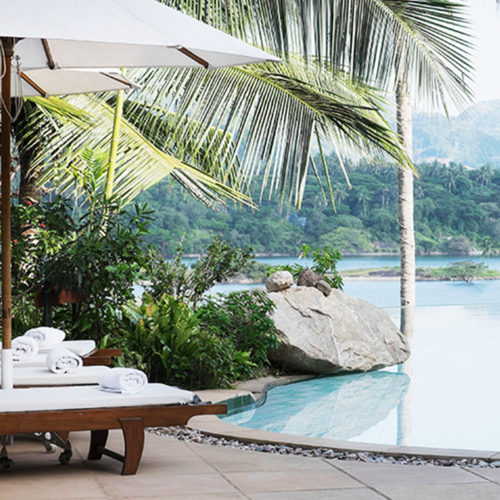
pixel 48 82
pixel 77 34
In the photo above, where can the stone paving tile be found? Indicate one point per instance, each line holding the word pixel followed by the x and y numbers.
pixel 464 491
pixel 260 482
pixel 176 470
pixel 235 460
pixel 42 478
pixel 376 475
pixel 487 473
pixel 200 496
pixel 164 485
pixel 351 494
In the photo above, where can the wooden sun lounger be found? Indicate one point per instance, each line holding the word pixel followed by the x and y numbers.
pixel 98 412
pixel 41 376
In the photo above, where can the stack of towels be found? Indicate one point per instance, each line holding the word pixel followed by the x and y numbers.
pixel 58 360
pixel 26 347
pixel 123 381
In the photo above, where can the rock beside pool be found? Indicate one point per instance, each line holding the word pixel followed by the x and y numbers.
pixel 333 334
pixel 280 280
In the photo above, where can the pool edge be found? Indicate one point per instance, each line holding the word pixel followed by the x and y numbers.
pixel 258 388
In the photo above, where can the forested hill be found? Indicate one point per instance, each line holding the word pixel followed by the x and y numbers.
pixel 456 210
pixel 471 138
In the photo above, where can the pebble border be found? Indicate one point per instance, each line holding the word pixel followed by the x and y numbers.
pixel 195 436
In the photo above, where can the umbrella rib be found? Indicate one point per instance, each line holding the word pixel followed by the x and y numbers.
pixel 50 60
pixel 120 80
pixel 194 57
pixel 30 82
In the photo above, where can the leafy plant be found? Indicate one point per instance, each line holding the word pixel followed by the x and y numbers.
pixel 99 256
pixel 324 262
pixel 163 337
pixel 244 318
pixel 220 262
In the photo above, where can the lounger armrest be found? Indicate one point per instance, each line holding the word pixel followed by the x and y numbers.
pixel 101 357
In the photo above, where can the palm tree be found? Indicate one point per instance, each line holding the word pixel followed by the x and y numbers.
pixel 236 123
pixel 400 45
pixel 226 125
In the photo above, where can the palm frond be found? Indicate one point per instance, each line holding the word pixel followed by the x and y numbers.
pixel 365 38
pixel 270 117
pixel 140 163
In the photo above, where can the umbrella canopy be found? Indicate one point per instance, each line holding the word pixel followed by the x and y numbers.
pixel 117 33
pixel 69 34
pixel 47 82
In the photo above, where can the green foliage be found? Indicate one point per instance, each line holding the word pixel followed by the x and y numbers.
pixel 465 270
pixel 244 319
pixel 220 262
pixel 213 347
pixel 163 338
pixel 324 263
pixel 99 255
pixel 449 201
pixel 351 240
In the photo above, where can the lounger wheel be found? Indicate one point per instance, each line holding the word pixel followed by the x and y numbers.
pixel 7 464
pixel 65 457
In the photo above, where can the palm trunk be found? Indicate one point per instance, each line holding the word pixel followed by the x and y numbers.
pixel 405 198
pixel 29 190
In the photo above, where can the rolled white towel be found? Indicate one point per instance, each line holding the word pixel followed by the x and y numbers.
pixel 24 348
pixel 123 380
pixel 61 360
pixel 46 336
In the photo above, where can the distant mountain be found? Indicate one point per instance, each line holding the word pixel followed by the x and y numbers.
pixel 471 138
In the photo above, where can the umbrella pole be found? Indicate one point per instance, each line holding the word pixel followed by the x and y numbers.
pixel 7 367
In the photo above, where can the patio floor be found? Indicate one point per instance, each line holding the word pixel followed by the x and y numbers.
pixel 175 469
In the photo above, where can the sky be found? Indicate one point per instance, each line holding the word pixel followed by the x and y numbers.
pixel 485 16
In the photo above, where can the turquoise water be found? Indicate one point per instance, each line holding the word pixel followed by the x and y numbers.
pixel 366 262
pixel 386 293
pixel 446 395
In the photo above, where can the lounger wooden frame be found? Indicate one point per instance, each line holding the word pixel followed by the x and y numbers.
pixel 131 420
pixel 100 357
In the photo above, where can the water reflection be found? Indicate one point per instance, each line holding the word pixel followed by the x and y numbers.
pixel 407 326
pixel 340 407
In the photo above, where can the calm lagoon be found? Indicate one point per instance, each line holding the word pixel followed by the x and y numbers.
pixel 447 394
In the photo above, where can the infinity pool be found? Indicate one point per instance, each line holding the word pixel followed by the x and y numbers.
pixel 447 395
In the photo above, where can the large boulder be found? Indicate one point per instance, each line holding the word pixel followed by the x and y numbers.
pixel 333 334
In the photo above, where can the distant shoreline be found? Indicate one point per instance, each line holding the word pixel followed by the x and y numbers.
pixel 381 274
pixel 367 254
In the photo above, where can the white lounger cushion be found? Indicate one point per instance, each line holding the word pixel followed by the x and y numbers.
pixel 80 347
pixel 82 397
pixel 41 375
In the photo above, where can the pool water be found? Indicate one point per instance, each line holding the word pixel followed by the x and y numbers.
pixel 446 395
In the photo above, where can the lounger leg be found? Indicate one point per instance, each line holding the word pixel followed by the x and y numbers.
pixel 133 434
pixel 64 435
pixel 97 443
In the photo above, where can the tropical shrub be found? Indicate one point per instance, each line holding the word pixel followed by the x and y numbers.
pixel 220 262
pixel 99 256
pixel 324 262
pixel 164 338
pixel 244 319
